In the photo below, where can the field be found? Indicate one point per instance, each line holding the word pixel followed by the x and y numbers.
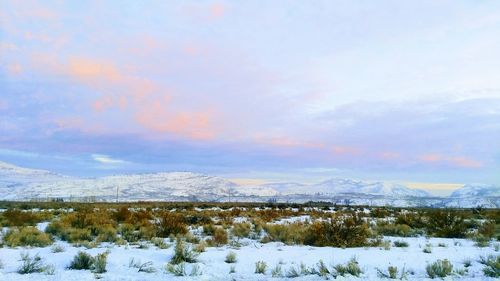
pixel 238 241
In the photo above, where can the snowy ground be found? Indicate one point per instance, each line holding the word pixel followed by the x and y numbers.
pixel 213 267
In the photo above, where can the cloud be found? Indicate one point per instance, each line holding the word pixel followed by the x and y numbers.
pixel 107 160
pixel 217 10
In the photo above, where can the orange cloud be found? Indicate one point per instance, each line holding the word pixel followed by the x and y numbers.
pixel 89 71
pixel 157 118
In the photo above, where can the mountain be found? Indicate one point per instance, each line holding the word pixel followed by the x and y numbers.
pixel 338 186
pixel 476 190
pixel 18 183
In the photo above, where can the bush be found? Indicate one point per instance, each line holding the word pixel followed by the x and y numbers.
pixel 427 249
pixel 447 224
pixel 487 229
pixel 107 234
pixel 322 269
pixel 440 268
pixel 177 269
pixel 389 229
pixel 141 267
pixel 400 244
pixel 260 267
pixel 392 273
pixel 491 266
pixel 171 223
pixel 287 233
pixel 16 217
pixel 200 247
pixel 82 261
pixel 277 271
pixel 183 253
pixel 231 257
pixel 345 231
pixel 208 229
pixel 31 264
pixel 241 230
pixel 99 263
pixel 350 267
pixel 220 237
pixel 56 248
pixel 27 236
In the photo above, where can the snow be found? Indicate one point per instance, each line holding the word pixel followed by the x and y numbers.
pixel 17 183
pixel 213 267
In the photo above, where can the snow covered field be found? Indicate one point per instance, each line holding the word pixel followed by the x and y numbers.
pixel 212 265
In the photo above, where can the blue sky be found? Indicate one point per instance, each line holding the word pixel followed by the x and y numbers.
pixel 267 90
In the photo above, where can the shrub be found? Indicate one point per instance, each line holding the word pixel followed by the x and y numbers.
pixel 287 233
pixel 231 257
pixel 16 217
pixel 390 229
pixel 350 267
pixel 171 223
pixel 220 237
pixel 142 267
pixel 200 247
pixel 160 243
pixel 27 236
pixel 322 269
pixel 487 229
pixel 129 233
pixel 208 229
pixel 107 234
pixel 56 248
pixel 76 235
pixel 277 271
pixel 177 269
pixel 392 273
pixel 241 230
pixel 345 231
pixel 491 266
pixel 440 268
pixel 31 264
pixel 293 272
pixel 447 224
pixel 183 253
pixel 400 244
pixel 427 249
pixel 260 267
pixel 99 263
pixel 82 261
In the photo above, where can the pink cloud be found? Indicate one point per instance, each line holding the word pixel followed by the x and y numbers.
pixel 454 161
pixel 431 158
pixel 389 155
pixel 14 69
pixel 217 10
pixel 465 162
pixel 345 150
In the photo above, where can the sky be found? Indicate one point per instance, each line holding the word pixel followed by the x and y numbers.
pixel 405 91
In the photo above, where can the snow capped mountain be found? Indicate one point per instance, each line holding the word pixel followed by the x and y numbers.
pixel 337 186
pixel 476 190
pixel 18 183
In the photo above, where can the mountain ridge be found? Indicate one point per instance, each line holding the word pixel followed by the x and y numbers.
pixel 17 183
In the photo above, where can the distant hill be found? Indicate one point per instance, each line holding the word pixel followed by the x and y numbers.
pixel 17 183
